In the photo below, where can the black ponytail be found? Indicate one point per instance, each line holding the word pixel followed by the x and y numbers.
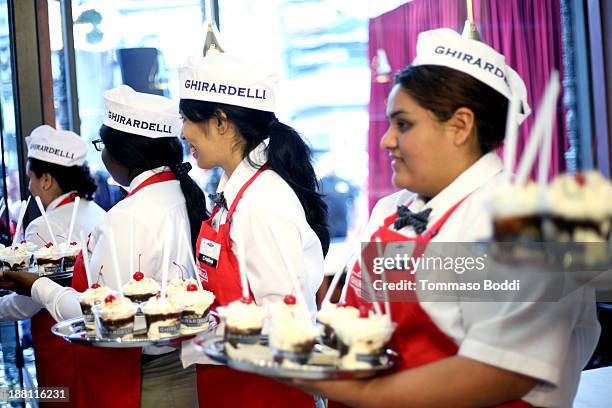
pixel 140 153
pixel 74 178
pixel 288 155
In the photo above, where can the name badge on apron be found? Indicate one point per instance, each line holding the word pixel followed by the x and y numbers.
pixel 209 252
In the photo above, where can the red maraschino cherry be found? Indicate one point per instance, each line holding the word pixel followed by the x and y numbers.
pixel 95 286
pixel 48 244
pixel 364 312
pixel 110 299
pixel 192 287
pixel 138 276
pixel 290 300
pixel 580 179
pixel 246 301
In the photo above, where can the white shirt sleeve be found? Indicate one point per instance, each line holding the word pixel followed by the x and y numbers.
pixel 16 307
pixel 61 302
pixel 272 249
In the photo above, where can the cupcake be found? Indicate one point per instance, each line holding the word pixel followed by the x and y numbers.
pixel 140 288
pixel 88 299
pixel 362 339
pixel 17 258
pixel 292 334
pixel 196 306
pixel 328 315
pixel 48 259
pixel 579 208
pixel 177 285
pixel 162 317
pixel 115 317
pixel 69 252
pixel 516 213
pixel 243 322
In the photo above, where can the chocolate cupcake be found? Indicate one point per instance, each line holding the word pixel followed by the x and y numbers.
pixel 140 288
pixel 243 322
pixel 196 307
pixel 88 299
pixel 162 317
pixel 115 317
pixel 292 334
pixel 18 258
pixel 362 339
pixel 328 315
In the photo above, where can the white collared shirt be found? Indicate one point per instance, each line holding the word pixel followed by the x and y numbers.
pixel 270 235
pixel 89 214
pixel 550 342
pixel 156 212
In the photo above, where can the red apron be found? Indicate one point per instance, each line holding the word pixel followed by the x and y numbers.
pixel 417 338
pixel 220 386
pixel 54 357
pixel 107 377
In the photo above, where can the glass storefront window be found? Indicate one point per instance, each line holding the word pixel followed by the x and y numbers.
pixel 10 166
pixel 319 48
pixel 137 43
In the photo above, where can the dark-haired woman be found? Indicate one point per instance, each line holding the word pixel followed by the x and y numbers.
pixel 58 174
pixel 447 114
pixel 268 217
pixel 141 150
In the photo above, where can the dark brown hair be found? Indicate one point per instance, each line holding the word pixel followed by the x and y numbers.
pixel 443 90
pixel 74 178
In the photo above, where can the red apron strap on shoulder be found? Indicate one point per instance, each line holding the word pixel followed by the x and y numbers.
pixel 243 189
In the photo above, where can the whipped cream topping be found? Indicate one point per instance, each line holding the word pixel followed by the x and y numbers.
pixel 94 296
pixel 50 252
pixel 197 300
pixel 141 287
pixel 291 326
pixel 117 309
pixel 69 249
pixel 330 312
pixel 19 251
pixel 510 200
pixel 364 335
pixel 180 285
pixel 243 316
pixel 157 305
pixel 587 196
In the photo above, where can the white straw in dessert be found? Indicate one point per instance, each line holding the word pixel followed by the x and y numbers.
pixel 22 211
pixel 548 103
pixel 44 214
pixel 191 257
pixel 113 251
pixel 511 138
pixel 545 151
pixel 75 209
pixel 86 259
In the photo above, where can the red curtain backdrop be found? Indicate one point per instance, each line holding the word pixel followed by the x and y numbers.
pixel 527 32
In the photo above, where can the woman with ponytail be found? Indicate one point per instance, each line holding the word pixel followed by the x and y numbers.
pixel 268 218
pixel 160 215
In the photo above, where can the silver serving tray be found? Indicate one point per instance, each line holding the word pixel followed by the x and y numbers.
pixel 322 364
pixel 73 330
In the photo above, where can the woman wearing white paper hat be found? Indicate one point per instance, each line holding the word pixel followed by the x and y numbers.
pixel 58 175
pixel 142 152
pixel 447 114
pixel 269 192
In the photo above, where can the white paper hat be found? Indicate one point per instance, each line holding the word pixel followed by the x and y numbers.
pixel 56 146
pixel 141 113
pixel 448 48
pixel 223 78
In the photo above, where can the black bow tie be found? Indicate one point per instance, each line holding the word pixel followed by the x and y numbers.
pixel 218 199
pixel 407 217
